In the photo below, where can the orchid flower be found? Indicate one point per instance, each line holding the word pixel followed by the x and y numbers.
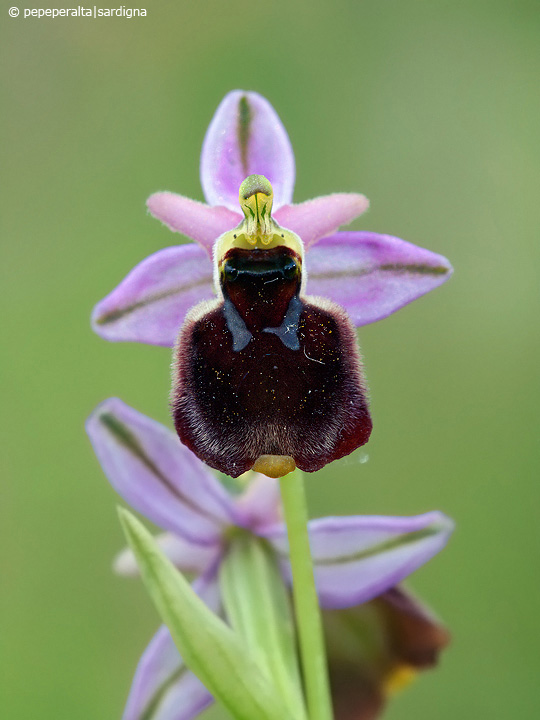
pixel 358 562
pixel 368 274
pixel 265 377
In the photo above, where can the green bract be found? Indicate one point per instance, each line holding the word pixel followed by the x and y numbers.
pixel 214 652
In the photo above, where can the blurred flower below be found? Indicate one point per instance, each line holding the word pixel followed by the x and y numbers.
pixel 376 634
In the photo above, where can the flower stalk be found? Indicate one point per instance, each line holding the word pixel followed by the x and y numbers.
pixel 306 604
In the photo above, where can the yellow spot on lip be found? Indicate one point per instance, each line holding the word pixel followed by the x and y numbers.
pixel 274 466
pixel 399 678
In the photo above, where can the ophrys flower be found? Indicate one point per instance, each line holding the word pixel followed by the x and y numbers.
pixel 266 372
pixel 356 558
pixel 368 274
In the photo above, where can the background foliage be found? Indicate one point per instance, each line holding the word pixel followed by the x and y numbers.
pixel 429 108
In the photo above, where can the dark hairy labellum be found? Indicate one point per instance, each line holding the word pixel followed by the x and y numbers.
pixel 264 371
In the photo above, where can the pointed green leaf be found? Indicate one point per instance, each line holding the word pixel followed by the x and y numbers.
pixel 211 650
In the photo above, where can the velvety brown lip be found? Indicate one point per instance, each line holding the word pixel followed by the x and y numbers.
pixel 269 373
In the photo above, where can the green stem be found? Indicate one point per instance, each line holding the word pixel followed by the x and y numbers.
pixel 306 603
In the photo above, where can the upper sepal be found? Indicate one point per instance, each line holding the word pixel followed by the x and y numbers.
pixel 245 137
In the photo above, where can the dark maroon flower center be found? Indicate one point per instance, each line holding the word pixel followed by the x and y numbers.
pixel 266 372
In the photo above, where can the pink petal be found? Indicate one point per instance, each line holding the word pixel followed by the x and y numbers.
pixel 372 275
pixel 359 557
pixel 150 304
pixel 245 137
pixel 146 463
pixel 193 219
pixel 317 218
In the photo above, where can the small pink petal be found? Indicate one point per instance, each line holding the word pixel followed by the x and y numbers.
pixel 194 219
pixel 322 216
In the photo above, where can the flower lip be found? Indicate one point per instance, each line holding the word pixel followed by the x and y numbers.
pixel 279 378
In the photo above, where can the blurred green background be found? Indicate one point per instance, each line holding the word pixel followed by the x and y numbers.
pixel 429 108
